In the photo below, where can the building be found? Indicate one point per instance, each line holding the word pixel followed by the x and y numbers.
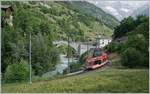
pixel 102 41
pixel 7 17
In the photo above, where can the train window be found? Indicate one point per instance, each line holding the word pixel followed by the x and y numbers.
pixel 97 52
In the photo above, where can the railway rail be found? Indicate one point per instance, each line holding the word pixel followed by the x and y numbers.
pixel 85 70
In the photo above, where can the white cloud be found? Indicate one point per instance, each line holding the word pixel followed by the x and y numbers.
pixel 134 3
pixel 96 2
pixel 125 10
pixel 111 9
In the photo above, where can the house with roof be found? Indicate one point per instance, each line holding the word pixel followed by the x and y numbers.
pixel 7 17
pixel 102 41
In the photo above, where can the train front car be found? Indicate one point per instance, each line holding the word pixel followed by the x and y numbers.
pixel 98 59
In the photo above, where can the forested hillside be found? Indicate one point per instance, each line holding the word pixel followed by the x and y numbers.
pixel 47 22
pixel 92 10
pixel 15 44
pixel 131 41
pixel 77 24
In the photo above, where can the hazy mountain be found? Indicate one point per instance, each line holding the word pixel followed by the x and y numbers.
pixel 120 9
pixel 143 10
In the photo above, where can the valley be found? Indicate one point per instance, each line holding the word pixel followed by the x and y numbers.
pixel 43 42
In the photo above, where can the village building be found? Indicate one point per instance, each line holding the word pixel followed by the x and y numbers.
pixel 7 17
pixel 102 41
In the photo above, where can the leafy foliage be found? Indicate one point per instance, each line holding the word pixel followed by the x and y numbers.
pixel 129 24
pixel 15 40
pixel 73 23
pixel 45 22
pixel 131 58
pixel 133 49
pixel 17 72
pixel 126 25
pixel 91 10
pixel 44 55
pixel 74 66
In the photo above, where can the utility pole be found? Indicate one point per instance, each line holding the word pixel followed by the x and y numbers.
pixel 79 49
pixel 68 57
pixel 87 47
pixel 30 60
pixel 71 51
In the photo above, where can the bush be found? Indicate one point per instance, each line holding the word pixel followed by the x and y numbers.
pixel 132 58
pixel 16 72
pixel 138 42
pixel 113 47
pixel 75 66
pixel 140 45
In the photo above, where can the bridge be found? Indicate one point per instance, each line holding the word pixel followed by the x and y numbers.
pixel 80 47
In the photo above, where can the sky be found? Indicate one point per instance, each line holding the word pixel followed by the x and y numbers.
pixel 118 8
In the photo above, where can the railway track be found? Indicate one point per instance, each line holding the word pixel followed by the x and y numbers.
pixel 75 73
pixel 85 71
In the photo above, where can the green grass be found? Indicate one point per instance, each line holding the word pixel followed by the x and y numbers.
pixel 115 58
pixel 106 80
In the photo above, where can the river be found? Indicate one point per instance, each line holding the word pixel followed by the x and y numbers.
pixel 60 66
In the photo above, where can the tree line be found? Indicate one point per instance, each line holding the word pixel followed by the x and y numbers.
pixel 15 44
pixel 131 41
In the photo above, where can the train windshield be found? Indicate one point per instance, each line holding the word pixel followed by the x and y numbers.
pixel 97 52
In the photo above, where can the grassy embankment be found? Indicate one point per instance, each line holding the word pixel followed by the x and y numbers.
pixel 114 79
pixel 107 80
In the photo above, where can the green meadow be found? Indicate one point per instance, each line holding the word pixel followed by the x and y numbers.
pixel 101 80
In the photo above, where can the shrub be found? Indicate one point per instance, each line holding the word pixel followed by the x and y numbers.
pixel 132 58
pixel 75 66
pixel 138 41
pixel 17 72
pixel 112 47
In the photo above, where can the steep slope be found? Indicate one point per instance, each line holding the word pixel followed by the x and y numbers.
pixel 90 9
pixel 47 22
pixel 81 25
pixel 65 21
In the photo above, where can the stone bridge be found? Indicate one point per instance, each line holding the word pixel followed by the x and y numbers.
pixel 78 46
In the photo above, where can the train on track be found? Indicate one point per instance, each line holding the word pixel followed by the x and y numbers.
pixel 97 60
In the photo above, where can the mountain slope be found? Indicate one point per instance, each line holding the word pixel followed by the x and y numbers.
pixel 90 9
pixel 82 25
pixel 64 21
pixel 47 21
